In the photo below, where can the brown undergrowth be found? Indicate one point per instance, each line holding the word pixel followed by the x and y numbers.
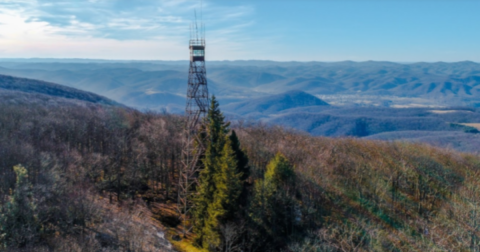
pixel 362 195
pixel 352 194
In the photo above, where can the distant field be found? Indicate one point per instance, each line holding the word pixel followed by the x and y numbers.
pixel 474 125
pixel 447 111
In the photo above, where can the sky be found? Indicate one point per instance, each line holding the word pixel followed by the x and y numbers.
pixel 281 30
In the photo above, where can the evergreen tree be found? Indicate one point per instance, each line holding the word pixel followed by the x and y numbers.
pixel 228 187
pixel 272 209
pixel 228 183
pixel 280 172
pixel 242 168
pixel 242 159
pixel 19 224
pixel 216 129
pixel 220 181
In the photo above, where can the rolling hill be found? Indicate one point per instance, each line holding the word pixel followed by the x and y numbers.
pixel 274 104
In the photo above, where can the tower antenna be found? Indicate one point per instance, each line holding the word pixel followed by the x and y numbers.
pixel 202 25
pixel 196 25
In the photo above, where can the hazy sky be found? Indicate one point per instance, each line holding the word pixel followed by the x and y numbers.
pixel 300 30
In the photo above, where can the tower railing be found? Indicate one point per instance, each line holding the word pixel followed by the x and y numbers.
pixel 197 42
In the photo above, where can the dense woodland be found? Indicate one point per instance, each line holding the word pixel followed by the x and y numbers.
pixel 89 177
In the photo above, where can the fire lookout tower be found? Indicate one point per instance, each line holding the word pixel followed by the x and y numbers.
pixel 195 111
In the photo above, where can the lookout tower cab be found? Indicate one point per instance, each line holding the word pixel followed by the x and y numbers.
pixel 197 50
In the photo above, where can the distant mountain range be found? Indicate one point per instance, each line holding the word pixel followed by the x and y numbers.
pixel 377 100
pixel 162 84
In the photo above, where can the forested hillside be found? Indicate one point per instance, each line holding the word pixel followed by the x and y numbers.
pixel 40 90
pixel 76 179
pixel 274 104
pixel 104 178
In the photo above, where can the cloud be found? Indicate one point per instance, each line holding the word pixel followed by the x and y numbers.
pixel 122 19
pixel 113 19
pixel 96 28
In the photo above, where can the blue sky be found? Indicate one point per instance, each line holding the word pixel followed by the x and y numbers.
pixel 284 30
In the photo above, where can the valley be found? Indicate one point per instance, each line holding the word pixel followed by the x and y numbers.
pixel 378 100
pixel 348 83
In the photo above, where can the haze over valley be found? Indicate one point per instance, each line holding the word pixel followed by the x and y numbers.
pixel 374 84
pixel 360 99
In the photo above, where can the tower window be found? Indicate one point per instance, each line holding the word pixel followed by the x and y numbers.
pixel 198 53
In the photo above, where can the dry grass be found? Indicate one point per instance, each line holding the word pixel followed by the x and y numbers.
pixel 186 246
pixel 167 212
pixel 132 225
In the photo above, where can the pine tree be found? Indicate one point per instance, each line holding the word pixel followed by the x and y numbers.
pixel 228 183
pixel 19 224
pixel 272 209
pixel 220 181
pixel 280 172
pixel 242 159
pixel 215 137
pixel 224 205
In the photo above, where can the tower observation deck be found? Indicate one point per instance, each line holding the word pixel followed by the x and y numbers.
pixel 197 50
pixel 197 92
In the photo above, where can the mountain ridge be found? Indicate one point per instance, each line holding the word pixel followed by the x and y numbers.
pixel 31 86
pixel 275 103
